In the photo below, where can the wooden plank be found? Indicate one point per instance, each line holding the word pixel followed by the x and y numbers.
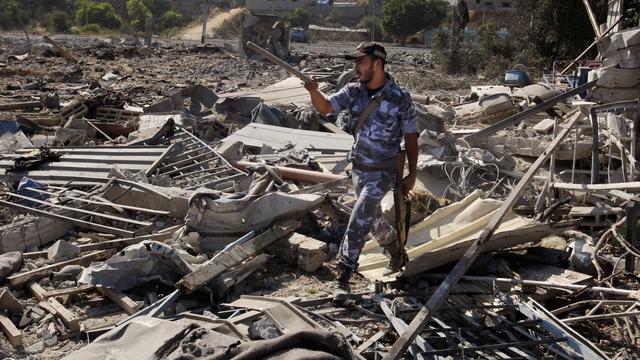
pixel 65 53
pixel 37 291
pixel 67 317
pixel 439 296
pixel 70 291
pixel 125 302
pixel 11 331
pixel 233 257
pixel 20 279
pixel 377 336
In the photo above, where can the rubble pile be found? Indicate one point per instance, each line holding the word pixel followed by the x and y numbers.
pixel 198 214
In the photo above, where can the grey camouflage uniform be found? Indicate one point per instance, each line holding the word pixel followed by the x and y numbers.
pixel 373 156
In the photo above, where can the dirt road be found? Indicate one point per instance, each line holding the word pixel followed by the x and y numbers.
pixel 216 19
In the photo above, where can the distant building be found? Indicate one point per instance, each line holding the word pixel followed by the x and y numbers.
pixel 490 5
pixel 344 11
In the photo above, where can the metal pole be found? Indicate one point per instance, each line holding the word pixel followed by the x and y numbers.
pixel 205 15
pixel 595 148
pixel 276 60
pixel 518 117
pixel 630 236
pixel 575 150
pixel 373 16
pixel 634 145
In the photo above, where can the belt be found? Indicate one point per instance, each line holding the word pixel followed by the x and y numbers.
pixel 361 167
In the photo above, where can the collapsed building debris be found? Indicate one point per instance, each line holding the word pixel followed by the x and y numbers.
pixel 202 218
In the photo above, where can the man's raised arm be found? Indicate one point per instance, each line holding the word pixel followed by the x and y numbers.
pixel 319 102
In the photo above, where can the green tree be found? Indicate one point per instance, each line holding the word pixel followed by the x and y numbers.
pixel 59 21
pixel 631 17
pixel 170 19
pixel 138 13
pixel 372 23
pixel 298 18
pixel 556 29
pixel 158 7
pixel 8 12
pixel 406 17
pixel 99 13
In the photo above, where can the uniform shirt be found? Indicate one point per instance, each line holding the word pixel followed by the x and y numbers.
pixel 379 138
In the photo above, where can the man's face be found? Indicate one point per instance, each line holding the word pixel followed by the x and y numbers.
pixel 364 69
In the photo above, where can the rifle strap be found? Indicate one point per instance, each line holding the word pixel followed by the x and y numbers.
pixel 371 107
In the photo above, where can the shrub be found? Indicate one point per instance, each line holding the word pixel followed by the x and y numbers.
pixel 59 21
pixel 230 27
pixel 369 22
pixel 102 14
pixel 298 18
pixel 86 29
pixel 170 19
pixel 406 17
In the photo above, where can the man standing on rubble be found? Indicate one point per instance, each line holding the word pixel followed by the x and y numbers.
pixel 381 114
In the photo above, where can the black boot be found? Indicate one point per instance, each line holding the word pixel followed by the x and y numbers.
pixel 344 274
pixel 398 258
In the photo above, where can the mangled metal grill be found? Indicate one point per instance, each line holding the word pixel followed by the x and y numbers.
pixel 191 163
pixel 82 209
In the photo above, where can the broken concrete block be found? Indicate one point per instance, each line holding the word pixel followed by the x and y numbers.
pixel 545 126
pixel 231 151
pixel 39 140
pixel 80 124
pixel 31 234
pixel 311 254
pixel 35 348
pixel 287 248
pixel 9 263
pixel 62 250
pixel 300 250
pixel 554 242
pixel 68 272
pixel 201 97
pixel 71 137
pixel 9 303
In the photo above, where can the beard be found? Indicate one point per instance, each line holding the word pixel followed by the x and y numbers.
pixel 365 77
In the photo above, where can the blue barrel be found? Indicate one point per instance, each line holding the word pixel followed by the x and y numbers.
pixel 583 75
